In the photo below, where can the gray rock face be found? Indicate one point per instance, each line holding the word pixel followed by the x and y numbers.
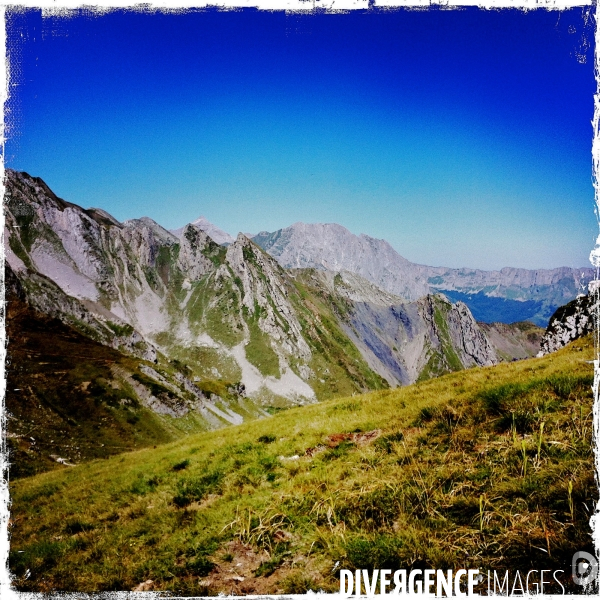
pixel 332 247
pixel 400 339
pixel 193 261
pixel 264 292
pixel 471 344
pixel 569 322
pixel 90 318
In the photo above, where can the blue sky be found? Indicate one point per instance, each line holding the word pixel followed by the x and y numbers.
pixel 461 137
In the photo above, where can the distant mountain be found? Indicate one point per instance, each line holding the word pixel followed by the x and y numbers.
pixel 507 295
pixel 332 247
pixel 216 234
pixel 220 319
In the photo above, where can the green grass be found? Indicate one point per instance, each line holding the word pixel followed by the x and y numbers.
pixel 217 313
pixel 258 348
pixel 443 486
pixel 207 363
pixel 120 330
pixel 339 367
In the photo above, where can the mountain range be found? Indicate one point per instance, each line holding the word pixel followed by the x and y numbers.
pixel 207 334
pixel 507 296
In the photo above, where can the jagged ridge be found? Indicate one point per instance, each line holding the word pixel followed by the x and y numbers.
pixel 229 314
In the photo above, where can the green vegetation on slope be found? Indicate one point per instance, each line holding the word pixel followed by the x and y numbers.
pixel 166 260
pixel 445 360
pixel 216 309
pixel 340 368
pixel 258 348
pixel 488 468
pixel 63 397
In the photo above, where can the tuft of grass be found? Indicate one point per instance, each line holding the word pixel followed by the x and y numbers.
pixel 195 489
pixel 387 442
pixel 179 466
pixel 377 552
pixel 299 583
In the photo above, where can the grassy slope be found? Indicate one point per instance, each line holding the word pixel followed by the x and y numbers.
pixel 64 399
pixel 61 400
pixel 339 367
pixel 453 480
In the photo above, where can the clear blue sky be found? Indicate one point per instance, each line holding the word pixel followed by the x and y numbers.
pixel 461 137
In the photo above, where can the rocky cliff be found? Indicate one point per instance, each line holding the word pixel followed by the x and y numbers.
pixel 569 322
pixel 403 341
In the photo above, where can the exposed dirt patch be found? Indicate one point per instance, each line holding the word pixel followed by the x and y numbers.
pixel 335 439
pixel 238 571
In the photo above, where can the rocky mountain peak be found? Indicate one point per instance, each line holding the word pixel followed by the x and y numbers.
pixel 103 217
pixel 195 252
pixel 217 234
pixel 159 232
pixel 332 247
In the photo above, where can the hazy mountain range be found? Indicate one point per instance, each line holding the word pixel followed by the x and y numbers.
pixel 222 333
pixel 508 295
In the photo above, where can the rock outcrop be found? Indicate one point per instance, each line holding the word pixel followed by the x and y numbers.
pixel 218 235
pixel 569 322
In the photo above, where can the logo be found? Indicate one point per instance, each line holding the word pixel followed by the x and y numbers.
pixel 584 567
